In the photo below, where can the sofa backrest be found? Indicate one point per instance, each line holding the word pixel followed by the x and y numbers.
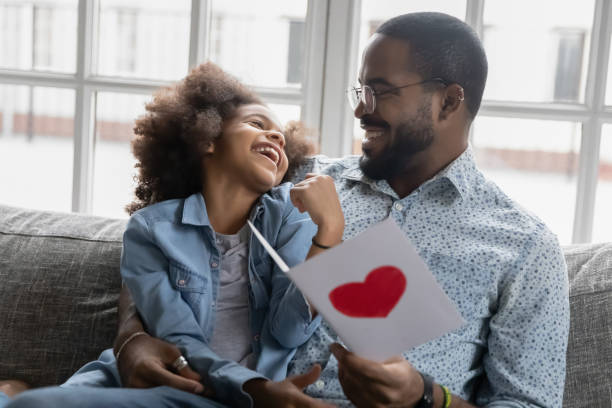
pixel 59 287
pixel 588 380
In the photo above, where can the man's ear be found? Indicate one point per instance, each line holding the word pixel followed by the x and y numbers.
pixel 454 96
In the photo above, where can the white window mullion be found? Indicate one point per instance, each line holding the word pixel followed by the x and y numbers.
pixel 473 15
pixel 591 130
pixel 342 38
pixel 312 85
pixel 84 112
pixel 198 35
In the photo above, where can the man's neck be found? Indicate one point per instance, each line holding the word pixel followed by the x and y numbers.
pixel 424 167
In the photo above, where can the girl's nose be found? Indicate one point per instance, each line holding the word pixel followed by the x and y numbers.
pixel 276 137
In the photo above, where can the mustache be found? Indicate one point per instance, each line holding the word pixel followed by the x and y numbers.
pixel 368 121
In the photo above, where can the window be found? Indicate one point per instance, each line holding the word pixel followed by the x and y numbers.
pixel 538 132
pixel 67 110
pixel 36 146
pixel 546 116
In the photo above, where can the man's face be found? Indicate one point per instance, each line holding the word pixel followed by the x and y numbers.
pixel 401 125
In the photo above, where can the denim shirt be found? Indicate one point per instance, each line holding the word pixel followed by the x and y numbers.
pixel 170 263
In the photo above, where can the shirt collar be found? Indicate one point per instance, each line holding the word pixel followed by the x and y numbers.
pixel 194 210
pixel 459 173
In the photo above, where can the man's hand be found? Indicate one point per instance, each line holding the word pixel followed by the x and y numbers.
pixel 145 362
pixel 366 383
pixel 287 393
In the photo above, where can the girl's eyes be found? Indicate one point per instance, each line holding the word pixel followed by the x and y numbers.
pixel 256 123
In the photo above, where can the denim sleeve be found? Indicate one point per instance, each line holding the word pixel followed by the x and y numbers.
pixel 291 322
pixel 525 362
pixel 144 269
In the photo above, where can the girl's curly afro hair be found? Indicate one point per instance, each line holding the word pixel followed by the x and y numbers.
pixel 180 123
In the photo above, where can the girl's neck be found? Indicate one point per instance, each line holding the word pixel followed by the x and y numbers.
pixel 228 204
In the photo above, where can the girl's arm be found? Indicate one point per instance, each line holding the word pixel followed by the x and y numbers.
pixel 166 315
pixel 292 319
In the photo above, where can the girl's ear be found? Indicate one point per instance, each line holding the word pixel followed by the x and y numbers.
pixel 210 148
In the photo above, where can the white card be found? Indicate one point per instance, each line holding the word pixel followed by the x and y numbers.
pixel 399 306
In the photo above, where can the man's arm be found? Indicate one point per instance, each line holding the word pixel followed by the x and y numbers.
pixel 525 360
pixel 145 361
pixel 394 382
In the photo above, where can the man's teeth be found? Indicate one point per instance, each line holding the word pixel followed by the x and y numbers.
pixel 371 134
pixel 268 151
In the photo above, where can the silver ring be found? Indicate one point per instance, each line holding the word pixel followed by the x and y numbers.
pixel 180 363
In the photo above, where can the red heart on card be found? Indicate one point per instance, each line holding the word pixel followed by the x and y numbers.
pixel 375 297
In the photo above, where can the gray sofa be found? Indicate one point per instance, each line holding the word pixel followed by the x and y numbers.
pixel 59 286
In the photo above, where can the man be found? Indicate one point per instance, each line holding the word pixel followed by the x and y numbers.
pixel 421 81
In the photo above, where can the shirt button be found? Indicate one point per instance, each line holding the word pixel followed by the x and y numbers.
pixel 398 206
pixel 319 384
pixel 181 282
pixel 256 337
pixel 214 264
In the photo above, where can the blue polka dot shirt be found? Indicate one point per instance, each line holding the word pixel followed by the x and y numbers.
pixel 501 266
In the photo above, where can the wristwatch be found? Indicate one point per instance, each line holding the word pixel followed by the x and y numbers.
pixel 427 400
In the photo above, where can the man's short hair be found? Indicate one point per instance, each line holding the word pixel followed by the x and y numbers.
pixel 443 47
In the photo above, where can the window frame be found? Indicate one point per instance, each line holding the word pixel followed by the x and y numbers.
pixel 330 65
pixel 86 83
pixel 592 114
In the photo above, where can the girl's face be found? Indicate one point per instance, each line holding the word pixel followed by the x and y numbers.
pixel 251 147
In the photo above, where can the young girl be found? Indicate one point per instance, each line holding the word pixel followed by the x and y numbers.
pixel 211 156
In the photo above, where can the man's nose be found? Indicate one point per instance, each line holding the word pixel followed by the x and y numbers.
pixel 359 110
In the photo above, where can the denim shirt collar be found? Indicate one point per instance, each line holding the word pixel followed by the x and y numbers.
pixel 194 210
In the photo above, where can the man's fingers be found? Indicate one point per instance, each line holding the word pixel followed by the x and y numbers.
pixel 358 367
pixel 161 376
pixel 339 352
pixel 304 380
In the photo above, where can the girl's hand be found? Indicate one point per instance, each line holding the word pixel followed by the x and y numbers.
pixel 317 195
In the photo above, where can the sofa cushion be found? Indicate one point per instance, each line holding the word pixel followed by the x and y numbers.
pixel 59 289
pixel 589 353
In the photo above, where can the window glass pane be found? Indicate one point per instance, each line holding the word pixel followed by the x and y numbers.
pixel 143 38
pixel 602 223
pixel 38 35
pixel 534 54
pixel 285 113
pixel 261 42
pixel 535 163
pixel 375 12
pixel 36 147
pixel 113 186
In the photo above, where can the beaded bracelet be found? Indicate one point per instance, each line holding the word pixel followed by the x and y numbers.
pixel 447 397
pixel 132 337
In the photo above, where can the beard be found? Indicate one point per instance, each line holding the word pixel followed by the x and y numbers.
pixel 410 138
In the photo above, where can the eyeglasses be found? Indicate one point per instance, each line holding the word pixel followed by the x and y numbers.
pixel 367 95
